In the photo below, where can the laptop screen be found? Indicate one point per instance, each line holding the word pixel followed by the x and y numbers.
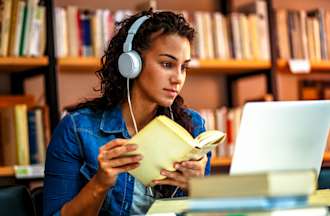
pixel 276 136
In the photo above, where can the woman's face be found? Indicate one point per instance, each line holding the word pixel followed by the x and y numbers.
pixel 164 69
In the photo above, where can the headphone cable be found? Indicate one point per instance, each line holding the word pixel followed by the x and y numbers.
pixel 136 129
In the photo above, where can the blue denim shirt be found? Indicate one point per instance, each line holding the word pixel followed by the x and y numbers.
pixel 72 159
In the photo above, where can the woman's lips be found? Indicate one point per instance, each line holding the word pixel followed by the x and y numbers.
pixel 171 92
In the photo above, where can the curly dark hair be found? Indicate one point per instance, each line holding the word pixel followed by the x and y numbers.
pixel 113 84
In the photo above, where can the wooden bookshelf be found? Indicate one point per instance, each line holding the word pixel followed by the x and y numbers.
pixel 316 67
pixel 225 161
pixel 91 64
pixel 19 64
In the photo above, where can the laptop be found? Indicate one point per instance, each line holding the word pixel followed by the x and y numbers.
pixel 280 136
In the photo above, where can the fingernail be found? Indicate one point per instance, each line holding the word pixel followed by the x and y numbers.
pixel 177 166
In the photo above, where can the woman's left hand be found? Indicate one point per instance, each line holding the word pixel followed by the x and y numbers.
pixel 184 170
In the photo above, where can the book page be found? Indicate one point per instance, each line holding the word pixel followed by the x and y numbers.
pixel 168 206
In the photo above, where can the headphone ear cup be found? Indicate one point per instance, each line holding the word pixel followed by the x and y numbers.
pixel 130 64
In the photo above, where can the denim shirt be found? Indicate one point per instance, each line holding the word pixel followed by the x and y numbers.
pixel 72 159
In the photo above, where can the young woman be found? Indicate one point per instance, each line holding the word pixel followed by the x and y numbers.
pixel 86 170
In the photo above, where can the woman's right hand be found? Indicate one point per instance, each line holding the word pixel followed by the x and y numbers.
pixel 112 161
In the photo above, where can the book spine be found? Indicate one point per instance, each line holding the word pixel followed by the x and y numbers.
pixel 5 27
pixel 85 20
pixel 40 132
pixel 8 136
pixel 33 147
pixel 23 27
pixel 22 134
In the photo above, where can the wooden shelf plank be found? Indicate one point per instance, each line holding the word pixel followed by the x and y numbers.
pixel 230 66
pixel 316 67
pixel 91 64
pixel 225 161
pixel 23 172
pixel 7 171
pixel 18 64
pixel 79 64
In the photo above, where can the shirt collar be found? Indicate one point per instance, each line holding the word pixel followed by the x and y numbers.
pixel 112 121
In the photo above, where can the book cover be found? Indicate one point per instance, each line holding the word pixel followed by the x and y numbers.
pixel 237 204
pixel 163 142
pixel 285 183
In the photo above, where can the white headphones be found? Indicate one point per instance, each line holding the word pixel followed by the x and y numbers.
pixel 130 62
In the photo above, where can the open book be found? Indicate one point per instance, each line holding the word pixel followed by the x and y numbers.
pixel 163 142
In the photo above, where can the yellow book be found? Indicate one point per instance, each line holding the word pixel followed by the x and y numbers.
pixel 320 197
pixel 163 142
pixel 22 134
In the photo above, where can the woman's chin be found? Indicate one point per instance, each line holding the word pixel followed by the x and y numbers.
pixel 166 103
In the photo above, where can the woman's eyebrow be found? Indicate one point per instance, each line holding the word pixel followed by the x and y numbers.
pixel 169 56
pixel 173 57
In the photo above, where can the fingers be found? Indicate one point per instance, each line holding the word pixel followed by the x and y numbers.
pixel 127 167
pixel 192 168
pixel 114 143
pixel 190 172
pixel 125 161
pixel 117 151
pixel 174 175
pixel 173 178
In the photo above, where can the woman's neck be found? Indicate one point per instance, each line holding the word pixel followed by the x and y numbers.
pixel 143 114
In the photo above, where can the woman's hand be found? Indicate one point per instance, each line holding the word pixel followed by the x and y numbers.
pixel 113 162
pixel 184 171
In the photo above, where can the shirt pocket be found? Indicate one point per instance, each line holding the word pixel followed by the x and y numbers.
pixel 88 171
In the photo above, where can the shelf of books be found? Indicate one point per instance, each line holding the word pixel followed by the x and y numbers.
pixel 25 134
pixel 18 64
pixel 237 43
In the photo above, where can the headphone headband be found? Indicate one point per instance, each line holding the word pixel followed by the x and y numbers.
pixel 132 31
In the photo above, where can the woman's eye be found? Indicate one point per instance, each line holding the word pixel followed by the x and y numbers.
pixel 167 65
pixel 184 67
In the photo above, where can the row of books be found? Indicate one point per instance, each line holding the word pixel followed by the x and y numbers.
pixel 227 120
pixel 83 32
pixel 240 35
pixel 24 135
pixel 303 34
pixel 244 35
pixel 22 28
pixel 269 193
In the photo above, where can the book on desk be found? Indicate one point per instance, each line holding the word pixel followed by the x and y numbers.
pixel 265 196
